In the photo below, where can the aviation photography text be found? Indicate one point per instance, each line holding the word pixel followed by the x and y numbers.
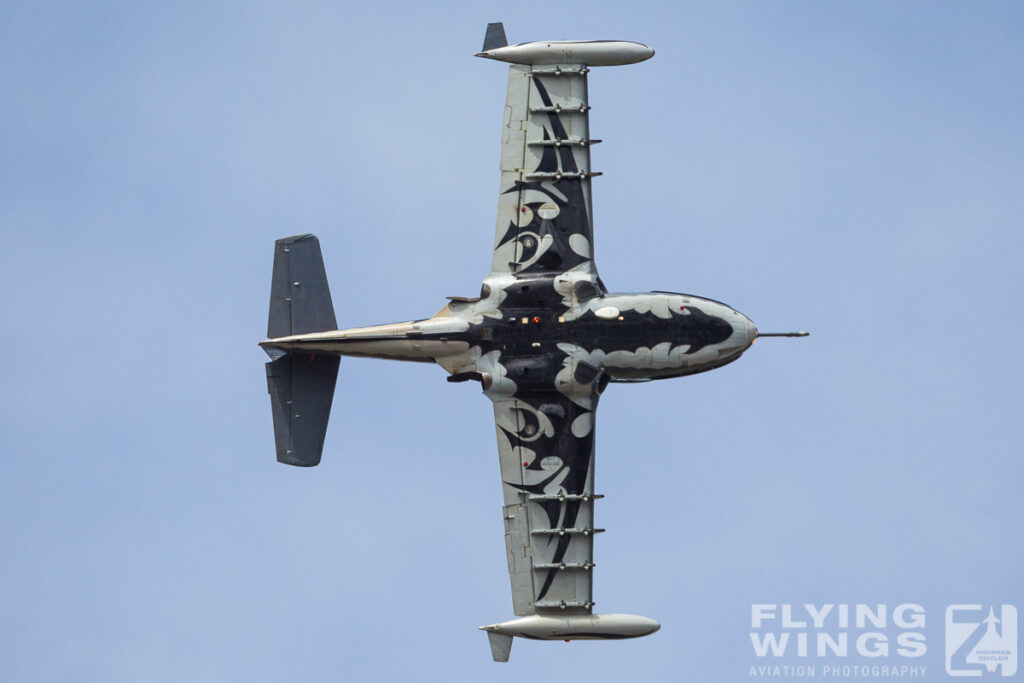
pixel 886 643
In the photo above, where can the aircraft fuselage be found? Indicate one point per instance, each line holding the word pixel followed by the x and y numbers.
pixel 630 337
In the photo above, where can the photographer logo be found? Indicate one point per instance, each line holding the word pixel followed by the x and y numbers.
pixel 980 641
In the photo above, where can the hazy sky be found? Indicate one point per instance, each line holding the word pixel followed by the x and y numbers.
pixel 853 169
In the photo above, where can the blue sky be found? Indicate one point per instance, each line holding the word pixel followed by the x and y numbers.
pixel 854 169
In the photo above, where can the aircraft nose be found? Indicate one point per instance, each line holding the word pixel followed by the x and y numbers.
pixel 745 331
pixel 751 329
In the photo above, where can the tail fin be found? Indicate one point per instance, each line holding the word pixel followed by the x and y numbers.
pixel 300 301
pixel 494 37
pixel 301 386
pixel 301 392
pixel 501 646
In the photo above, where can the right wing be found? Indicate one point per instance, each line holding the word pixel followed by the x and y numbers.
pixel 546 450
pixel 545 222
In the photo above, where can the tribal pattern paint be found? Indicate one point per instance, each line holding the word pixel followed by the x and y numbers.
pixel 545 339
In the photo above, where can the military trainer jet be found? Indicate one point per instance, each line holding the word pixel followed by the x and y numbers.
pixel 544 339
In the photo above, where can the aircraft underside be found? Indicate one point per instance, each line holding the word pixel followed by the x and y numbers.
pixel 544 339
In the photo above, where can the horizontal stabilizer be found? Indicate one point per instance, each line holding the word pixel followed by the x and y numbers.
pixel 301 392
pixel 300 301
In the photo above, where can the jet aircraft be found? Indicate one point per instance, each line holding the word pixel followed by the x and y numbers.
pixel 544 339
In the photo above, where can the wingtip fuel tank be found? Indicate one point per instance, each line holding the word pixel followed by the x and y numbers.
pixel 569 627
pixel 586 52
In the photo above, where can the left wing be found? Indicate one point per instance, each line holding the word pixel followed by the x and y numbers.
pixel 545 221
pixel 546 450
